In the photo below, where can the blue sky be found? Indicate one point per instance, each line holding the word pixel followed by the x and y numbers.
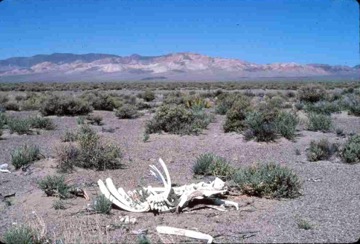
pixel 260 31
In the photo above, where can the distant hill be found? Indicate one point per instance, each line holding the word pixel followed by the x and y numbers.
pixel 175 66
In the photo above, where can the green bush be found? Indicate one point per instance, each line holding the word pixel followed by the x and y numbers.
pixel 69 136
pixel 286 124
pixel 226 101
pixel 59 205
pixel 65 106
pixel 101 101
pixel 319 122
pixel 91 152
pixel 55 186
pixel 262 124
pixel 94 119
pixel 25 155
pixel 42 123
pixel 67 157
pixel 102 205
pixel 20 126
pixel 178 120
pixel 322 107
pixel 312 93
pixel 321 150
pixel 351 150
pixel 176 98
pixel 236 115
pixel 210 164
pixel 3 119
pixel 33 101
pixel 21 235
pixel 268 180
pixel 127 111
pixel 148 96
pixel 12 106
pixel 352 104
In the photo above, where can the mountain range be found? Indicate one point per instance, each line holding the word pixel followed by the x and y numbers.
pixel 172 67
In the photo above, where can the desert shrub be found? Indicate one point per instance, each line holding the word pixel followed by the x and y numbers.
pixel 55 186
pixel 94 119
pixel 67 156
pixel 69 136
pixel 12 106
pixel 350 152
pixel 108 129
pixel 262 124
pixel 176 98
pixel 210 164
pixel 269 180
pixel 3 99
pixel 235 117
pixel 32 101
pixel 319 122
pixel 312 93
pixel 80 120
pixel 323 107
pixel 141 105
pixel 197 103
pixel 178 120
pixel 339 132
pixel 299 106
pixel 148 96
pixel 22 235
pixel 146 137
pixel 20 126
pixel 352 104
pixel 42 123
pixel 102 205
pixel 321 150
pixel 3 120
pixel 101 101
pixel 226 101
pixel 95 154
pixel 24 155
pixel 59 205
pixel 286 124
pixel 276 102
pixel 303 224
pixel 65 106
pixel 127 111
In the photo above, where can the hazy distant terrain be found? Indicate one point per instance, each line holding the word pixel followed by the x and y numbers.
pixel 175 67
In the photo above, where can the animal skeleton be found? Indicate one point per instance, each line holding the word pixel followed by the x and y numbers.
pixel 167 198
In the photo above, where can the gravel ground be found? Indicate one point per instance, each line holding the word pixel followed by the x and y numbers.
pixel 330 200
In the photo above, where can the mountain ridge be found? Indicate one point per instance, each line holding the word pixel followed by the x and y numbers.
pixel 172 66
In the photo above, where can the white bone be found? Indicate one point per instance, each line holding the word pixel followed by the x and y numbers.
pixel 158 175
pixel 159 198
pixel 108 195
pixel 184 232
pixel 218 201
